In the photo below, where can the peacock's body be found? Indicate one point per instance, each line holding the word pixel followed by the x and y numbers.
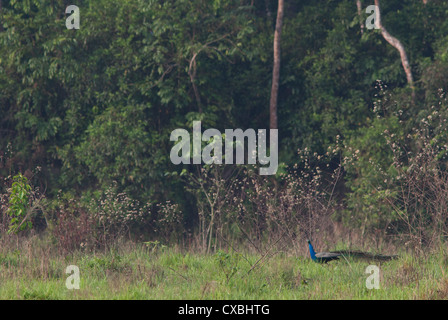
pixel 322 257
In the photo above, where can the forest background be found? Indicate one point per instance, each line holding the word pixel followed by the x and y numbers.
pixel 86 117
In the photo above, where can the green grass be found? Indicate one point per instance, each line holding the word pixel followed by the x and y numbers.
pixel 138 272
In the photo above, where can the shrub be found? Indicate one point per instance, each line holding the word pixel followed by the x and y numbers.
pixel 402 193
pixel 18 208
pixel 96 223
pixel 115 213
pixel 168 224
pixel 20 205
pixel 74 227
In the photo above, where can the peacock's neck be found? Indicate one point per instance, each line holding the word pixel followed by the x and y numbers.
pixel 312 253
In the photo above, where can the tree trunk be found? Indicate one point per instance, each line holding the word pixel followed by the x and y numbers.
pixel 1 23
pixel 398 45
pixel 276 69
pixel 359 6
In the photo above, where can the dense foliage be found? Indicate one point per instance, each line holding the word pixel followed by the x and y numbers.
pixel 96 106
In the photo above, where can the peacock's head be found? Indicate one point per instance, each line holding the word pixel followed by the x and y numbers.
pixel 309 242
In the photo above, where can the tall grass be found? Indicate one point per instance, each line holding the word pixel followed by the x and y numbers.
pixel 32 269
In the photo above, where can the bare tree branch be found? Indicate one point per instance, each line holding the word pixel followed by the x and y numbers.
pixel 397 45
pixel 192 69
pixel 1 24
pixel 359 6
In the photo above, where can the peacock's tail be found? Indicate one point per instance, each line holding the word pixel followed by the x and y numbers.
pixel 366 255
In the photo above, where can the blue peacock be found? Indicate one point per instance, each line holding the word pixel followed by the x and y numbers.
pixel 325 257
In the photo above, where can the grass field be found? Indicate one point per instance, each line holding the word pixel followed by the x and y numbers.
pixel 32 270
